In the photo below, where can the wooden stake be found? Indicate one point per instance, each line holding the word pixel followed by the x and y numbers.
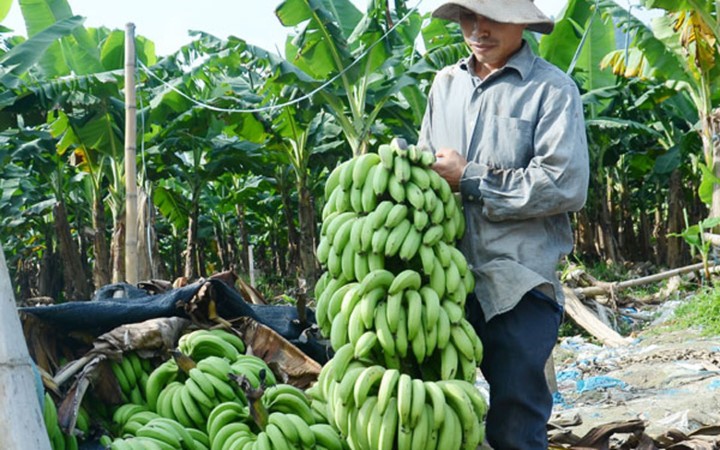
pixel 131 223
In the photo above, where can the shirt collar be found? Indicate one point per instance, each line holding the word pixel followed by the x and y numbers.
pixel 522 61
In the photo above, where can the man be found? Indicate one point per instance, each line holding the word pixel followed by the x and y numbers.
pixel 508 132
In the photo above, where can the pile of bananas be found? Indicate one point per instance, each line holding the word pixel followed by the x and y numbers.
pixel 211 395
pixel 392 302
pixel 289 423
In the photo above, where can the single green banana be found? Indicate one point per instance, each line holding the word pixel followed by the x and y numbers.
pixel 433 235
pixel 414 312
pixel 365 344
pixel 397 214
pixel 366 381
pixel 396 236
pixel 393 306
pixel 443 329
pixel 277 438
pixel 356 326
pixel 386 391
pixel 437 398
pixel 387 155
pixel 326 436
pixel 362 167
pixel 417 406
pixel 407 279
pixel 402 343
pixel 333 180
pixel 380 180
pixel 419 346
pixel 385 336
pixel 404 399
pixel 339 330
pixel 448 362
pixel 375 279
pixel 396 189
pixel 419 176
pixel 390 424
pixel 369 198
pixel 346 174
pixel 420 220
pixel 410 245
pixel 414 195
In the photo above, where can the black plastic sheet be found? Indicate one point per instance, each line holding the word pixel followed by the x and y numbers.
pixel 119 304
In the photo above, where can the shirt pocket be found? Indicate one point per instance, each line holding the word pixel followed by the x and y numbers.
pixel 505 142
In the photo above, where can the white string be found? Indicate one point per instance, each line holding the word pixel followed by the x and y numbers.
pixel 291 102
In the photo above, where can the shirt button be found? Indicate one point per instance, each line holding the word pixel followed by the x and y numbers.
pixel 471 198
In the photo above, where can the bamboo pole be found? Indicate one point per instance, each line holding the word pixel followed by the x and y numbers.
pixel 21 420
pixel 131 225
pixel 604 288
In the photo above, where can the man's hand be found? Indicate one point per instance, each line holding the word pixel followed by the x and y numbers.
pixel 450 165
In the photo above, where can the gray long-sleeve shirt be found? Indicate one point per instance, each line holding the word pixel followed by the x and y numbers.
pixel 523 133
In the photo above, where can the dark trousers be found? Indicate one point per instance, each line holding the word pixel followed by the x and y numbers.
pixel 517 345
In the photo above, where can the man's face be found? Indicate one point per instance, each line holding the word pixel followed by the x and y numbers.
pixel 491 42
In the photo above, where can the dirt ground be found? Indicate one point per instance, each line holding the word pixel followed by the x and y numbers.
pixel 670 381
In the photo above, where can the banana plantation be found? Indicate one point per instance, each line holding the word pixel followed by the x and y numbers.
pixel 235 143
pixel 245 174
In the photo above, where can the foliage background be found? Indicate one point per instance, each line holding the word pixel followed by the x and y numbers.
pixel 234 142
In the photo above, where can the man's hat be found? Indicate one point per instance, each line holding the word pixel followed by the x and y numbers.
pixel 503 11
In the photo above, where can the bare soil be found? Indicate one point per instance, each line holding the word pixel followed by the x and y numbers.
pixel 669 380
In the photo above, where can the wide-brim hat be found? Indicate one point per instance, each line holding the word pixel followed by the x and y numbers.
pixel 503 11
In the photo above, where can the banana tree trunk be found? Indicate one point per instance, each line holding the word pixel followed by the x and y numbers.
pixel 609 239
pixel 76 285
pixel 48 278
pixel 21 419
pixel 101 269
pixel 308 261
pixel 117 250
pixel 244 239
pixel 222 249
pixel 292 234
pixel 191 248
pixel 150 264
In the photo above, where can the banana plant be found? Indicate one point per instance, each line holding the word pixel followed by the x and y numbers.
pixel 45 190
pixel 196 144
pixel 71 77
pixel 365 64
pixel 681 49
pixel 584 34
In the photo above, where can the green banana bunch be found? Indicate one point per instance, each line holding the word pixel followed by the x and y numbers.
pixel 131 373
pixel 58 439
pixel 285 398
pixel 163 375
pixel 254 369
pixel 200 344
pixel 224 414
pixel 135 421
pixel 385 408
pixel 168 433
pixel 392 303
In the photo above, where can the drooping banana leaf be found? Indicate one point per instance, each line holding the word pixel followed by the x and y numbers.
pixel 25 55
